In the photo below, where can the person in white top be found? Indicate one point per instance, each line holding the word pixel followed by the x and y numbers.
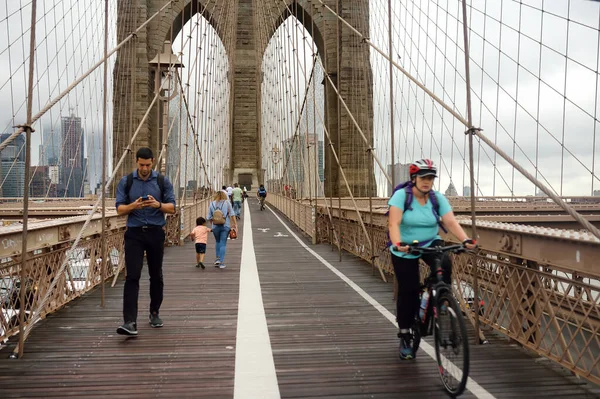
pixel 229 193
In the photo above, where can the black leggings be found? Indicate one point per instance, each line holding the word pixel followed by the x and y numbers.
pixel 408 275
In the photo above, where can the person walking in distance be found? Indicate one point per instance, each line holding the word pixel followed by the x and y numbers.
pixel 261 194
pixel 200 236
pixel 237 197
pixel 144 196
pixel 223 219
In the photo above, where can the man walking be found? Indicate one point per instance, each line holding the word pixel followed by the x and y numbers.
pixel 145 196
pixel 237 198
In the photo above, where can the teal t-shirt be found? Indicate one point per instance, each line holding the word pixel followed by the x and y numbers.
pixel 419 223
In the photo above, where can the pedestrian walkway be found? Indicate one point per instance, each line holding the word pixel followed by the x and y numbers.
pixel 292 322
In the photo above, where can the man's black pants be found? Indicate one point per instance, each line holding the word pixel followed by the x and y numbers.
pixel 138 240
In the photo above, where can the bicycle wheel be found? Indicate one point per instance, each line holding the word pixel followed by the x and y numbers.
pixel 451 344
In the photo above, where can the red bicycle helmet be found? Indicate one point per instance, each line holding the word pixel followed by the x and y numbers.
pixel 422 167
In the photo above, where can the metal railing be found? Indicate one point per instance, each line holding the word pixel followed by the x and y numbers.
pixel 539 287
pixel 49 243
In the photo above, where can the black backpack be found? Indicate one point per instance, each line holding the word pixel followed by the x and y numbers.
pixel 160 179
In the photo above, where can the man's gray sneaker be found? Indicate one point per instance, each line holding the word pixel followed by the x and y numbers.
pixel 155 321
pixel 128 329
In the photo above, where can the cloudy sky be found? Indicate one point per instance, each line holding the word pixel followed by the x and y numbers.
pixel 534 78
pixel 69 40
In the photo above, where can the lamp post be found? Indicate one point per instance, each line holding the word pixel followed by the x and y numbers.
pixel 164 65
pixel 275 158
pixel 275 154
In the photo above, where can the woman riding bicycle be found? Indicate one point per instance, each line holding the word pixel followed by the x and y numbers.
pixel 419 222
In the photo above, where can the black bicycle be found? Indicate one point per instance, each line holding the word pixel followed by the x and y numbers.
pixel 443 318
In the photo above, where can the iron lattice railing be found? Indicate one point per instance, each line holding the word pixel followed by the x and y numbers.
pixel 552 311
pixel 81 273
pixel 46 288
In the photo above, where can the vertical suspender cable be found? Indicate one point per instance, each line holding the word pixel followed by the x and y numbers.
pixel 104 160
pixel 471 170
pixel 27 128
pixel 393 174
pixel 339 126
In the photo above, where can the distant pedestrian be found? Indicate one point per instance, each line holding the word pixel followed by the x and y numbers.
pixel 222 217
pixel 261 194
pixel 145 196
pixel 237 196
pixel 200 237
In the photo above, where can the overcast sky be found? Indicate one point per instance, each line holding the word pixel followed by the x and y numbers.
pixel 505 99
pixel 548 64
pixel 69 40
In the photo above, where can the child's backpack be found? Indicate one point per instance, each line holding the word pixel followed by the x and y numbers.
pixel 262 192
pixel 435 206
pixel 218 217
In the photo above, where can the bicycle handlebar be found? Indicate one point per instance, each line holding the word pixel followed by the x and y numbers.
pixel 414 249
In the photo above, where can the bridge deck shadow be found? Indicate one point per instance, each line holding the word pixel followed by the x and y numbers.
pixel 327 341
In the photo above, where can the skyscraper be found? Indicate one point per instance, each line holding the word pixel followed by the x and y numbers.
pixel 72 155
pixel 400 175
pixel 40 182
pixel 12 170
pixel 51 145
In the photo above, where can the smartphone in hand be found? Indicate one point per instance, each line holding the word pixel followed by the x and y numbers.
pixel 145 198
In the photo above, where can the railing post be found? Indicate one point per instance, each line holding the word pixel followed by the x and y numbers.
pixel 314 222
pixel 181 227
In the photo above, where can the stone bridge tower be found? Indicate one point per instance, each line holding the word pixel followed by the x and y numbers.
pixel 133 92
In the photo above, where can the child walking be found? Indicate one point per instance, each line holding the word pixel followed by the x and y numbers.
pixel 200 235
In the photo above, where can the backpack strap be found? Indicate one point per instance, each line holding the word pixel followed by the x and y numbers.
pixel 409 197
pixel 160 179
pixel 435 208
pixel 128 184
pixel 220 207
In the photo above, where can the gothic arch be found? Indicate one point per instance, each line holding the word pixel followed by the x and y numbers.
pixel 296 9
pixel 245 54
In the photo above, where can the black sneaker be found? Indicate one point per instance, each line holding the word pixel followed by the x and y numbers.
pixel 155 321
pixel 202 265
pixel 128 329
pixel 406 349
pixel 198 264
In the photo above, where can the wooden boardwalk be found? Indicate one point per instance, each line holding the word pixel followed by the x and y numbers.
pixel 326 340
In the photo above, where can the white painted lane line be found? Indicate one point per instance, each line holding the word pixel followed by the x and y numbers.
pixel 255 375
pixel 472 385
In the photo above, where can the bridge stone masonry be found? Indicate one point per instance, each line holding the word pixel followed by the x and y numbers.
pixel 347 65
